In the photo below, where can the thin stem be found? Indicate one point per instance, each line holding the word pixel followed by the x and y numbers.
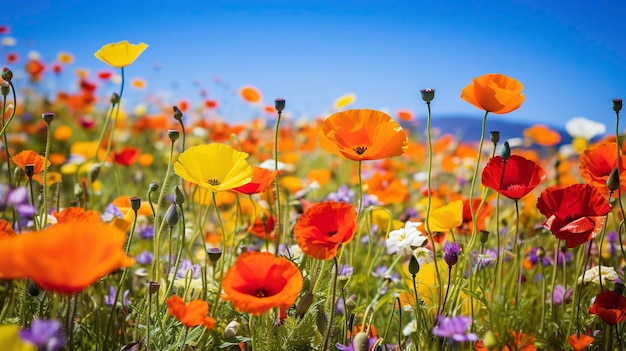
pixel 117 112
pixel 473 185
pixel 332 308
pixel 157 232
pixel 443 305
pixel 6 143
pixel 277 187
pixel 553 280
pixel 5 126
pixel 358 214
pixel 45 177
pixel 518 257
pixel 223 261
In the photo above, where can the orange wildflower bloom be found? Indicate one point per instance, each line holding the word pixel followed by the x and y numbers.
pixel 65 258
pixel 520 342
pixel 250 94
pixel 363 135
pixel 261 179
pixel 542 135
pixel 29 157
pixel 76 214
pixel 323 227
pixel 192 314
pixel 579 342
pixel 259 281
pixel 597 163
pixel 495 93
pixel 6 231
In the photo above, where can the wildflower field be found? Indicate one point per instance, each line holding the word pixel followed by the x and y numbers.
pixel 178 230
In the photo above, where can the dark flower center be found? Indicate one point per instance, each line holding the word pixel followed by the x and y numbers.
pixel 213 182
pixel 261 292
pixel 332 232
pixel 360 150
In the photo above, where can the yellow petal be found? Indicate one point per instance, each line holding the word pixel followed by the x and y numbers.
pixel 120 54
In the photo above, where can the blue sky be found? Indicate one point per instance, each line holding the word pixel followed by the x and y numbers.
pixel 569 55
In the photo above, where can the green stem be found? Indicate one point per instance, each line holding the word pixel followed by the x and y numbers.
pixel 223 260
pixel 473 185
pixel 332 306
pixel 117 112
pixel 277 187
pixel 518 258
pixel 6 142
pixel 157 232
pixel 45 176
pixel 5 126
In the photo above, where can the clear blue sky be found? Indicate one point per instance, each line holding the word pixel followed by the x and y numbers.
pixel 570 55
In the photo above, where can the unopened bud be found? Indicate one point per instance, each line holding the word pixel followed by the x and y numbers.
pixel 279 104
pixel 494 136
pixel 506 151
pixel 5 88
pixel 617 105
pixel 361 342
pixel 48 117
pixel 179 197
pixel 94 172
pixel 171 216
pixel 541 252
pixel 484 236
pixel 7 74
pixel 135 203
pixel 428 94
pixel 619 288
pixel 115 99
pixel 154 186
pixel 29 170
pixel 321 320
pixel 33 289
pixel 414 266
pixel 173 134
pixel 153 287
pixel 214 254
pixel 178 114
pixel 231 329
pixel 304 304
pixel 612 182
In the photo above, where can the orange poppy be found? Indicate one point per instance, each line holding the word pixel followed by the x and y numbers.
pixel 323 227
pixel 387 188
pixel 542 135
pixel 598 162
pixel 192 314
pixel 405 115
pixel 76 214
pixel 29 157
pixel 363 135
pixel 259 281
pixel 579 342
pixel 264 230
pixel 210 103
pixel 261 179
pixel 495 93
pixel 520 342
pixel 65 258
pixel 250 94
pixel 6 231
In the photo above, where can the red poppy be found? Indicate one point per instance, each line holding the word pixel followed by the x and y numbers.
pixel 35 69
pixel 513 179
pixel 261 179
pixel 12 57
pixel 598 162
pixel 484 213
pixel 264 230
pixel 192 314
pixel 5 229
pixel 259 281
pixel 105 74
pixel 323 227
pixel 610 307
pixel 127 156
pixel 210 103
pixel 575 214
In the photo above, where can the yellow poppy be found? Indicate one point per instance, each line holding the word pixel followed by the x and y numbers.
pixel 344 101
pixel 215 167
pixel 446 217
pixel 10 339
pixel 120 54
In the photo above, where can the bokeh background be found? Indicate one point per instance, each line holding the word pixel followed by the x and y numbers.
pixel 570 55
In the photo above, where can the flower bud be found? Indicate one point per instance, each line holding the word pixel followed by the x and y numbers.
pixel 619 288
pixel 414 266
pixel 231 329
pixel 94 172
pixel 506 151
pixel 179 197
pixel 5 88
pixel 171 216
pixel 48 117
pixel 214 254
pixel 33 289
pixel 135 203
pixel 361 342
pixel 29 170
pixel 484 236
pixel 173 134
pixel 7 74
pixel 321 320
pixel 178 114
pixel 78 191
pixel 612 182
pixel 617 105
pixel 428 94
pixel 494 135
pixel 115 99
pixel 154 186
pixel 153 287
pixel 279 104
pixel 304 304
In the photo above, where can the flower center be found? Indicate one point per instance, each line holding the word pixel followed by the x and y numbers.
pixel 261 292
pixel 213 182
pixel 332 232
pixel 515 187
pixel 360 150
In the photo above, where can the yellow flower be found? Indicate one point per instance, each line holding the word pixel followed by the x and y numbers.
pixel 10 339
pixel 215 167
pixel 446 217
pixel 120 54
pixel 65 58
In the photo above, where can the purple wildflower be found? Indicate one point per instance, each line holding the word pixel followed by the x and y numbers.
pixel 343 194
pixel 486 259
pixel 350 347
pixel 45 334
pixel 560 295
pixel 110 299
pixel 345 271
pixel 19 199
pixel 451 253
pixel 145 257
pixel 454 328
pixel 185 266
pixel 110 212
pixel 147 232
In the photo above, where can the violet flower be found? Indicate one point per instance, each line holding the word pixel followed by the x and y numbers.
pixel 145 257
pixel 45 334
pixel 350 347
pixel 454 328
pixel 560 295
pixel 185 265
pixel 451 253
pixel 110 299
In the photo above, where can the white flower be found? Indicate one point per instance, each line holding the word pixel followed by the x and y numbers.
pixel 423 255
pixel 403 240
pixel 582 127
pixel 592 275
pixel 410 328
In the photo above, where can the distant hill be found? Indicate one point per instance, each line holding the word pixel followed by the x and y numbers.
pixel 468 128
